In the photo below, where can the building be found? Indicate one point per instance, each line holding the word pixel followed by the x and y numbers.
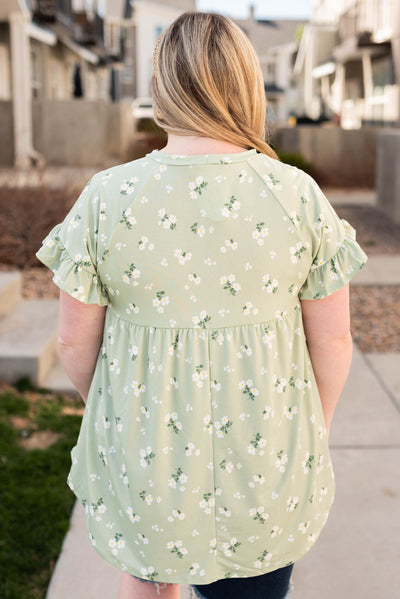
pixel 348 66
pixel 54 51
pixel 276 43
pixel 150 18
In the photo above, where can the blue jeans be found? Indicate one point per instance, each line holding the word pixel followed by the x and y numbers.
pixel 273 585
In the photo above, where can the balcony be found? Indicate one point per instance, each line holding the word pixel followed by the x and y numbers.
pixel 369 21
pixel 43 10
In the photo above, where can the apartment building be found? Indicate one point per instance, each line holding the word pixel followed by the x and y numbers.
pixel 69 50
pixel 348 66
pixel 276 43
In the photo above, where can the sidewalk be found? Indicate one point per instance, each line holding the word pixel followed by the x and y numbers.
pixel 358 553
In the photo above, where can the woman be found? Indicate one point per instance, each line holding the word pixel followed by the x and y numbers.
pixel 204 316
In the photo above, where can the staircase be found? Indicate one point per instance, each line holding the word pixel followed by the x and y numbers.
pixel 28 333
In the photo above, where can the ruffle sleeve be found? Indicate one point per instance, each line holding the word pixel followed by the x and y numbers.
pixel 69 251
pixel 327 276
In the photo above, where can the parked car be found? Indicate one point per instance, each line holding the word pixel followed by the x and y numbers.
pixel 142 108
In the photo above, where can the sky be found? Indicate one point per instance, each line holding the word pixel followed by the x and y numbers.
pixel 239 9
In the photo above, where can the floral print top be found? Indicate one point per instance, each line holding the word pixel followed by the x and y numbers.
pixel 203 451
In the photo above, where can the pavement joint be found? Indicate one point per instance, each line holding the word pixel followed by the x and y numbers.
pixel 381 381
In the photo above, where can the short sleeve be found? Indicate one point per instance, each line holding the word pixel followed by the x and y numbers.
pixel 69 250
pixel 336 255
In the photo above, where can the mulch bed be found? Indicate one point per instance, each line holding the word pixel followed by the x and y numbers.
pixel 27 215
pixel 375 318
pixel 376 233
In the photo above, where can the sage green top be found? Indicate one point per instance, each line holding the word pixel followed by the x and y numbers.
pixel 203 451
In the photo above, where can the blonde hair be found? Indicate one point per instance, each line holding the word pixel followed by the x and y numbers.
pixel 207 81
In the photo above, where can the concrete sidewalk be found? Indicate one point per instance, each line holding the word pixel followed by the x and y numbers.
pixel 358 553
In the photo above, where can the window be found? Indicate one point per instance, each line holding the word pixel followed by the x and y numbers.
pixel 127 73
pixel 113 41
pixel 157 32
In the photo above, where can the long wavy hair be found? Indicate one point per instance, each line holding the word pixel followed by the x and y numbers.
pixel 207 82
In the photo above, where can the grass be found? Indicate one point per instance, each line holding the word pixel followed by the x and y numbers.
pixel 35 501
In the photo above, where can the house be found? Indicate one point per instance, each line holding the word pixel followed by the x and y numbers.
pixel 348 66
pixel 151 17
pixel 276 43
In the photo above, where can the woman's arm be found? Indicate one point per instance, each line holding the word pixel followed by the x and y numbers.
pixel 80 332
pixel 327 328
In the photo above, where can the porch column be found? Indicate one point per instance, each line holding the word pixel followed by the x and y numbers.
pixel 21 85
pixel 368 84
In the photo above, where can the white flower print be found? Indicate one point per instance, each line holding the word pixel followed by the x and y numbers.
pixel 231 208
pixel 229 243
pixel 279 384
pixel 128 186
pixel 171 420
pixel 269 285
pixel 146 456
pixel 260 233
pixel 144 244
pixel 116 543
pixel 290 412
pixel 197 187
pixel 132 516
pixel 258 514
pixel 168 221
pixel 297 251
pixel 182 256
pixel 201 320
pixel 307 463
pixel 138 388
pixel 200 375
pixel 207 503
pixel 178 477
pixel 200 230
pixel 160 301
pixel 230 284
pixel 281 461
pixel 272 182
pixel 247 388
pixel 244 350
pixel 292 504
pixel 177 548
pixel 268 412
pixel 231 547
pixel 131 274
pixel 257 445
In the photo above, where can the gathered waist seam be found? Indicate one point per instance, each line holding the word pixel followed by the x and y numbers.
pixel 286 314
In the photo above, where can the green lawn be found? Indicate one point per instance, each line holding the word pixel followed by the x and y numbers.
pixel 37 432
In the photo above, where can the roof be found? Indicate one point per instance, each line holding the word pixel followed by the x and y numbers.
pixel 266 33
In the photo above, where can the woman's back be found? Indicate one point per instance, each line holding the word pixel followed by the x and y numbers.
pixel 203 438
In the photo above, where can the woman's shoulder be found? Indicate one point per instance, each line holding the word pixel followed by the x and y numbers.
pixel 132 171
pixel 286 172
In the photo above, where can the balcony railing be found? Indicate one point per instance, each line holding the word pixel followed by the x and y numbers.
pixel 373 18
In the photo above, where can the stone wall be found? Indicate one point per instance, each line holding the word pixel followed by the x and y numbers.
pixel 89 133
pixel 339 157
